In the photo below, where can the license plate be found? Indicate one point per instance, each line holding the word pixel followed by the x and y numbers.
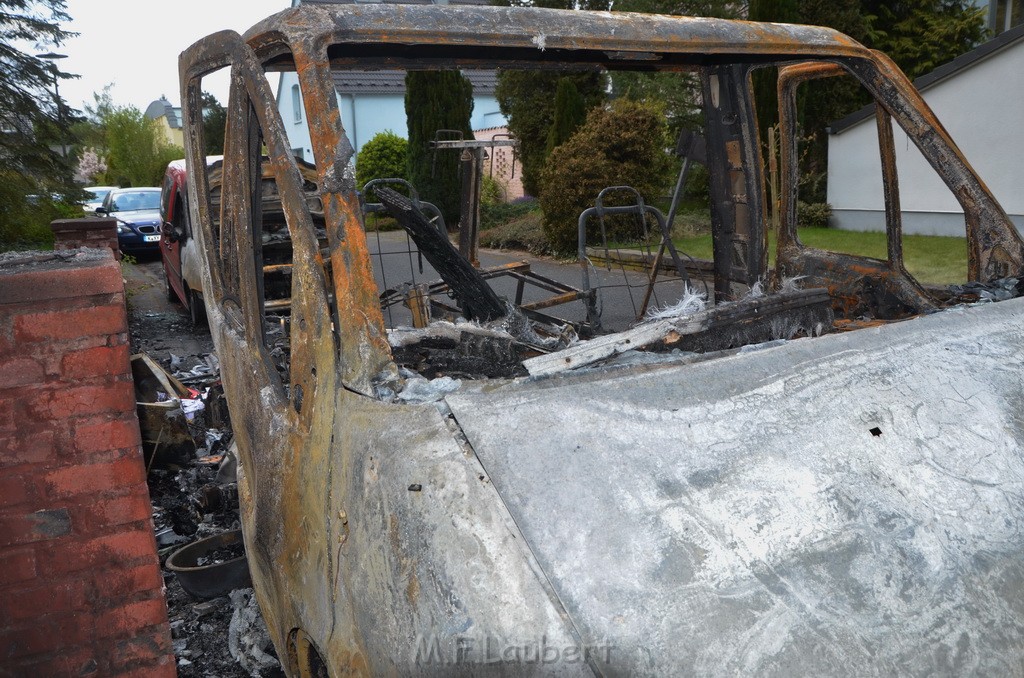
pixel 151 238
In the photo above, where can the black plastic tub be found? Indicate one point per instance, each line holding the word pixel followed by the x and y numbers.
pixel 210 581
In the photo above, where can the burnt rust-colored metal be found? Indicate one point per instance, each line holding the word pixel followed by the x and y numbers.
pixel 739 236
pixel 857 284
pixel 862 285
pixel 358 575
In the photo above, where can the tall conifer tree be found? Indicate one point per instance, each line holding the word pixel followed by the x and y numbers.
pixel 437 100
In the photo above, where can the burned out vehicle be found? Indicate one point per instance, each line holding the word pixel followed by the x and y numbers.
pixel 845 503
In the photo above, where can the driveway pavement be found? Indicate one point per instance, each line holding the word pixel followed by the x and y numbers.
pixel 395 261
pixel 621 292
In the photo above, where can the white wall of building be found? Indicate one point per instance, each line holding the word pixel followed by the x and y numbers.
pixel 294 121
pixel 981 108
pixel 365 115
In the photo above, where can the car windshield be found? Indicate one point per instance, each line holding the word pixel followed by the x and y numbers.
pixel 97 194
pixel 135 200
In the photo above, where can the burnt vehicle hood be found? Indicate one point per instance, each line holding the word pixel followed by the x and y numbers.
pixel 854 500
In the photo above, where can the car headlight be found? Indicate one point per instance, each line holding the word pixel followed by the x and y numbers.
pixel 122 229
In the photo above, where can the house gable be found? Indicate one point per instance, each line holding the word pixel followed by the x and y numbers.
pixel 977 98
pixel 168 119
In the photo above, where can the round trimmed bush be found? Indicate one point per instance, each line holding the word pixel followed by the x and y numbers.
pixel 623 144
pixel 382 157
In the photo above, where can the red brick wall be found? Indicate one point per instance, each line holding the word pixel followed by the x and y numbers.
pixel 81 592
pixel 70 234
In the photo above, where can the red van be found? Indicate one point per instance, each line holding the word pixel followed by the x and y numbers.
pixel 178 250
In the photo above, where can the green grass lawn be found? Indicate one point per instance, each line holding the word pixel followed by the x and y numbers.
pixel 932 260
pixel 937 260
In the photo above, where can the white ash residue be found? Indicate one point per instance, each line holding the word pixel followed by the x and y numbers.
pixel 690 303
pixel 248 638
pixel 421 390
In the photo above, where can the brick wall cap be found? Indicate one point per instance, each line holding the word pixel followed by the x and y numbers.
pixel 86 224
pixel 35 276
pixel 14 263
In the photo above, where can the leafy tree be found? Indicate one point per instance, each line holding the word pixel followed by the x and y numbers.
pixel 385 156
pixel 436 100
pixel 921 35
pixel 138 153
pixel 680 92
pixel 215 119
pixel 88 130
pixel 33 120
pixel 132 141
pixel 820 101
pixel 918 34
pixel 527 100
pixel 622 144
pixel 766 98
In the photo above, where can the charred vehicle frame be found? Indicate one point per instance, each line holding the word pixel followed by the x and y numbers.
pixel 650 519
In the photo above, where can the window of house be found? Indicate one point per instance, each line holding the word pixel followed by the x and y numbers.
pixel 296 104
pixel 1005 14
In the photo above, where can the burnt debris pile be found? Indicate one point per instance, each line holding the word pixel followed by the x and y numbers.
pixel 191 475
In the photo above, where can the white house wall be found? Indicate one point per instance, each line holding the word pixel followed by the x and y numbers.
pixel 298 132
pixel 486 113
pixel 365 115
pixel 981 108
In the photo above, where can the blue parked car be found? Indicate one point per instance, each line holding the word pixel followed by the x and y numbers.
pixel 137 211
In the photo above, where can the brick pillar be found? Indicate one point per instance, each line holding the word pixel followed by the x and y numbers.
pixel 70 234
pixel 81 593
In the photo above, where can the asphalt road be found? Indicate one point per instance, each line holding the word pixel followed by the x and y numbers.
pixel 621 292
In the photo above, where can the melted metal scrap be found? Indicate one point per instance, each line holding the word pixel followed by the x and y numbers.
pixel 996 290
pixel 725 326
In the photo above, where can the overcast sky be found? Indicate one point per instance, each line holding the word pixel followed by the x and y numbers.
pixel 135 44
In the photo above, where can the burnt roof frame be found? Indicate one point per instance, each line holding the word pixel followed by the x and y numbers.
pixel 313 39
pixel 626 40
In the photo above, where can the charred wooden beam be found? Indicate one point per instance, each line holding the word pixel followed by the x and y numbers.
pixel 476 298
